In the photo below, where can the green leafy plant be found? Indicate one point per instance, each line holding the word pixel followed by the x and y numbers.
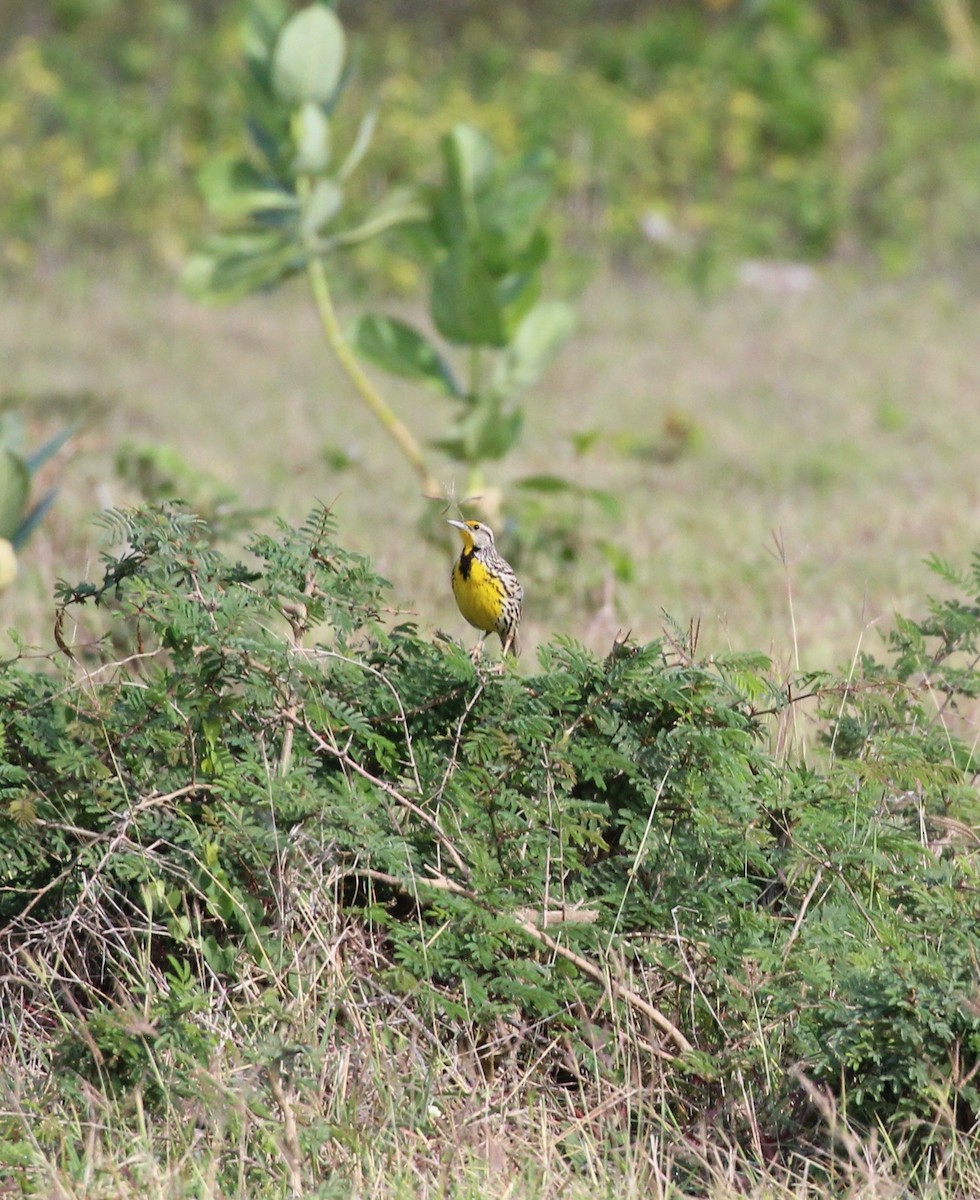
pixel 283 203
pixel 19 517
pixel 595 874
pixel 898 1031
pixel 486 248
pixel 284 207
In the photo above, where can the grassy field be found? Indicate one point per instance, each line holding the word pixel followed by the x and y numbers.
pixel 783 464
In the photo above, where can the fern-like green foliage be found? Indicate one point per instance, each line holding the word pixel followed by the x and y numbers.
pixel 603 858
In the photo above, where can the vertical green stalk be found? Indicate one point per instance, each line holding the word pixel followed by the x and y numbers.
pixel 396 429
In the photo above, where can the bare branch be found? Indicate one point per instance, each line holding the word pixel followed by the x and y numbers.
pixel 586 966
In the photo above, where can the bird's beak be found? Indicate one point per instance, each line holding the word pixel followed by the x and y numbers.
pixel 458 524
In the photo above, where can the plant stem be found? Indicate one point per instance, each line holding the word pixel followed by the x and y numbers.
pixel 365 388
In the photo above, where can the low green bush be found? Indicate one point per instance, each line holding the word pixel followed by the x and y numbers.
pixel 597 873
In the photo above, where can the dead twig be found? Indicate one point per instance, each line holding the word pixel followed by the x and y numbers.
pixel 352 765
pixel 587 967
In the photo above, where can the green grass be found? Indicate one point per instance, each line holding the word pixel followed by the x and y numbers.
pixel 826 448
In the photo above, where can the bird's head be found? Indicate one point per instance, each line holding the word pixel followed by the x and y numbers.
pixel 475 535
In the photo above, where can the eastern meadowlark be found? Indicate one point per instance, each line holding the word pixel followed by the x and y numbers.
pixel 486 587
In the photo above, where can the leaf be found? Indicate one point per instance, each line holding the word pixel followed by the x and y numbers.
pixel 263 20
pixel 516 296
pixel 264 140
pixel 533 254
pixel 619 559
pixel 538 337
pixel 485 431
pixel 465 304
pixel 22 533
pixel 400 206
pixel 22 810
pixel 402 350
pixel 546 484
pixel 584 440
pixel 15 486
pixel 322 205
pixel 469 160
pixel 946 571
pixel 309 56
pixel 242 243
pixel 510 211
pixel 234 189
pixel 48 449
pixel 495 210
pixel 365 132
pixel 231 267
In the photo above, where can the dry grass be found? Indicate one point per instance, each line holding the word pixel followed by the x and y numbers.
pixel 327 1085
pixel 837 425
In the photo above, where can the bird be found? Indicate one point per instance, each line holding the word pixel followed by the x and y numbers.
pixel 487 590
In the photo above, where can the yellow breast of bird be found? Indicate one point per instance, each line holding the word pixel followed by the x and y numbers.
pixel 478 594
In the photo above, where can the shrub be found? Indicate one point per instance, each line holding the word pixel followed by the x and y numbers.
pixel 596 873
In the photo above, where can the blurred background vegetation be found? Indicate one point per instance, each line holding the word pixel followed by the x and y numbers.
pixel 689 133
pixel 767 211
